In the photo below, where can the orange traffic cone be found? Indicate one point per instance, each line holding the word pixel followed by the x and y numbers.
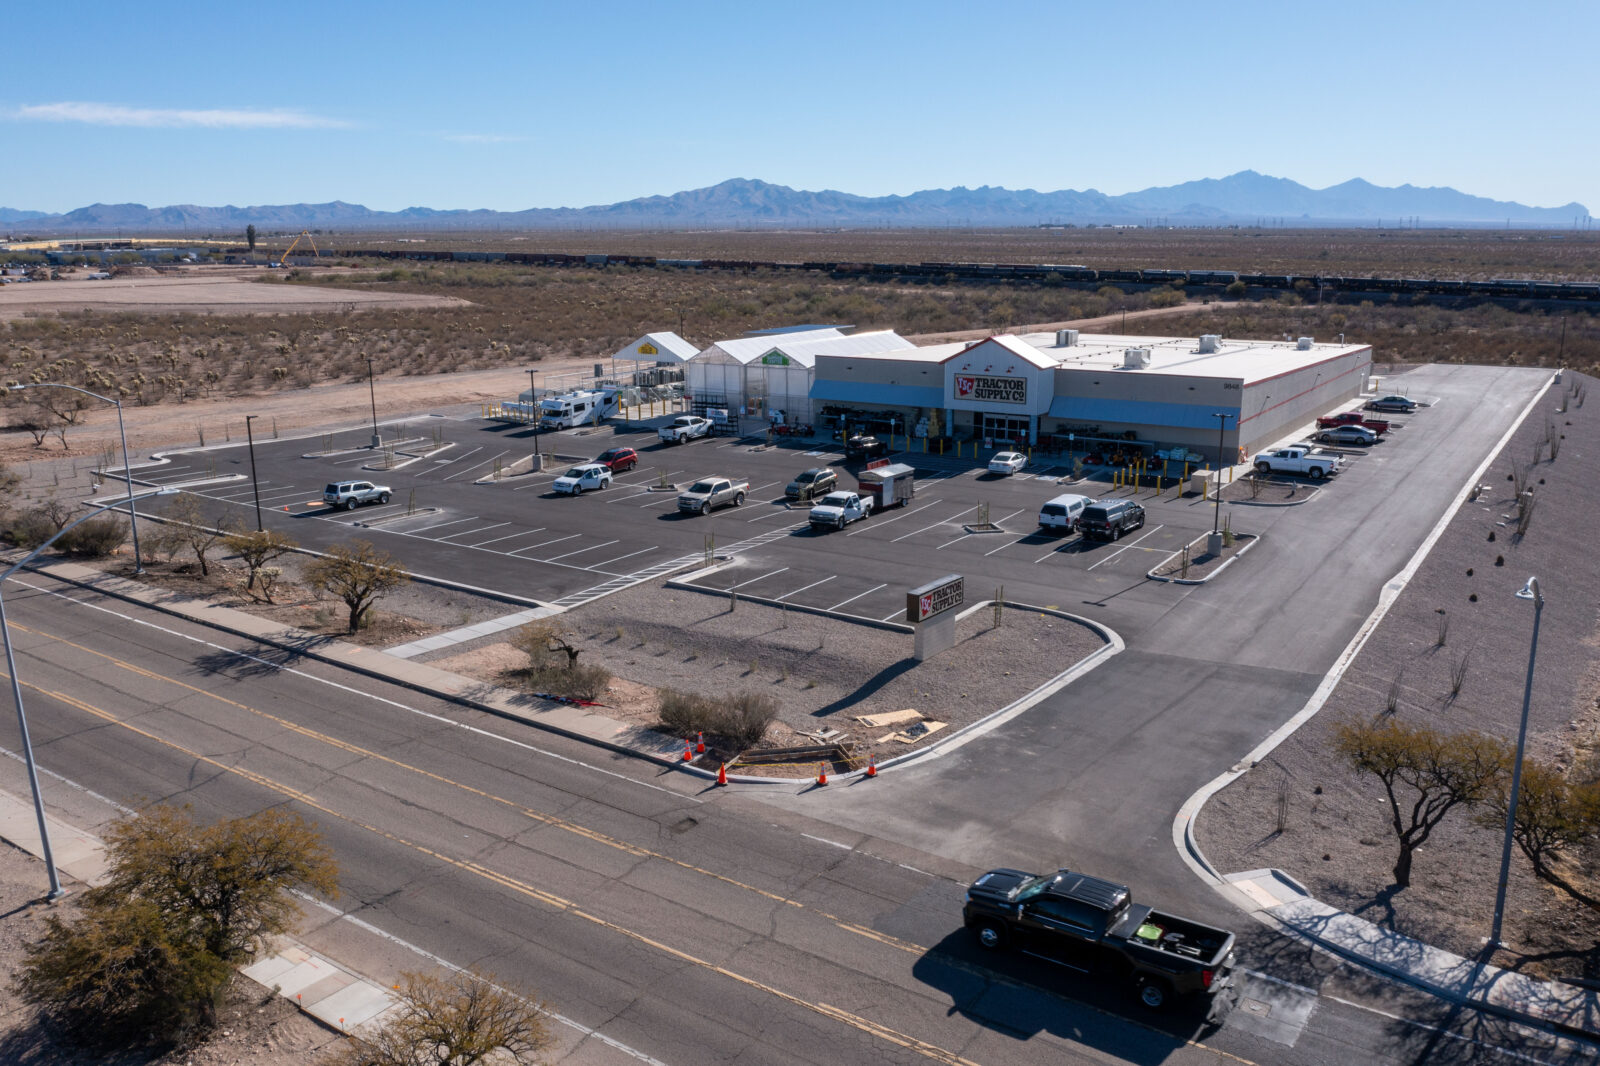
pixel 688 752
pixel 822 773
pixel 722 774
pixel 872 766
pixel 700 744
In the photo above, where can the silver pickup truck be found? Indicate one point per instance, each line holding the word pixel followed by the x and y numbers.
pixel 709 493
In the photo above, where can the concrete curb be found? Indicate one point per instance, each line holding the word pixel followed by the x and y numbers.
pixel 1255 538
pixel 1288 503
pixel 1183 835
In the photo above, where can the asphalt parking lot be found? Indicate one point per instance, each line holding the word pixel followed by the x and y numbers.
pixel 519 538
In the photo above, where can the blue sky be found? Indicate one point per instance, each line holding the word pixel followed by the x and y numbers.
pixel 515 105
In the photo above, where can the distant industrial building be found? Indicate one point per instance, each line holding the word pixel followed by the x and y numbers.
pixel 1139 394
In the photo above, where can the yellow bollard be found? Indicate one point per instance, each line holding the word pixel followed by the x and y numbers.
pixel 941 445
pixel 924 445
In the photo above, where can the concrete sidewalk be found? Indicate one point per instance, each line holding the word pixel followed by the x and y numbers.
pixel 1277 898
pixel 336 996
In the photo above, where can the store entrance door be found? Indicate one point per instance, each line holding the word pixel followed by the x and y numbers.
pixel 1004 429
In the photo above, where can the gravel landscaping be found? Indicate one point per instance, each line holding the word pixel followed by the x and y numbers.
pixel 823 671
pixel 1302 811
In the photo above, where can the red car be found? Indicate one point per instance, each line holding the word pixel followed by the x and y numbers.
pixel 618 459
pixel 1353 418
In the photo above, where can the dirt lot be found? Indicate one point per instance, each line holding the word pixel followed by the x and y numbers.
pixel 254 1026
pixel 210 290
pixel 1457 612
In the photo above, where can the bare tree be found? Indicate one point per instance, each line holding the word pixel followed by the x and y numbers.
pixel 258 548
pixel 1554 817
pixel 540 639
pixel 358 575
pixel 191 528
pixel 1425 775
pixel 458 1020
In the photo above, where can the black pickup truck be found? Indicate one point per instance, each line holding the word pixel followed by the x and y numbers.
pixel 1089 924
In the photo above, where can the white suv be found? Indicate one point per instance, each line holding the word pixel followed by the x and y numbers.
pixel 347 494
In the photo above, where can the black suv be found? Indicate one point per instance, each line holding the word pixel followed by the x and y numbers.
pixel 1110 519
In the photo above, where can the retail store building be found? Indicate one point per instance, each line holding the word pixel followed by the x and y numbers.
pixel 774 372
pixel 1155 393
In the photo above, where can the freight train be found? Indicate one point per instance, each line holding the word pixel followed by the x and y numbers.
pixel 1043 273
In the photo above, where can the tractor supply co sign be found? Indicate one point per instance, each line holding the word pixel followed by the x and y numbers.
pixel 983 389
pixel 935 598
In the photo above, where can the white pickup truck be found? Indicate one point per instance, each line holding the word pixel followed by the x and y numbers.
pixel 1299 459
pixel 838 509
pixel 709 493
pixel 684 428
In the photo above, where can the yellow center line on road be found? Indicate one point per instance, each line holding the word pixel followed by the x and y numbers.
pixel 930 1051
pixel 571 827
pixel 551 820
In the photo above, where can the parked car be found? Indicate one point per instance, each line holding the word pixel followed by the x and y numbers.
pixel 838 509
pixel 618 460
pixel 1357 435
pixel 1392 403
pixel 864 447
pixel 1110 519
pixel 580 478
pixel 347 495
pixel 1299 459
pixel 1082 920
pixel 1008 463
pixel 817 481
pixel 1062 512
pixel 1353 418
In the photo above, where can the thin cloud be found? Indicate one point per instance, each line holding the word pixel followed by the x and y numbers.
pixel 483 138
pixel 174 118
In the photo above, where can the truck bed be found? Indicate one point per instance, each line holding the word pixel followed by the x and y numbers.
pixel 1167 934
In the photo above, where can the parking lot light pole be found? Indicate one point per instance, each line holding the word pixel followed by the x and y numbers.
pixel 127 470
pixel 254 484
pixel 56 891
pixel 533 400
pixel 1214 542
pixel 372 394
pixel 1530 591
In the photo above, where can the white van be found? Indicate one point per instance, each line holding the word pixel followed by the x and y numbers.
pixel 1062 512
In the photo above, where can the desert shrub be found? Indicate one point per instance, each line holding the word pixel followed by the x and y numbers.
pixel 745 716
pixel 30 529
pixel 574 682
pixel 95 538
pixel 685 713
pixel 742 717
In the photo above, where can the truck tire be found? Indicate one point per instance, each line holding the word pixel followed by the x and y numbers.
pixel 991 935
pixel 843 521
pixel 705 508
pixel 1316 473
pixel 350 504
pixel 1155 993
pixel 1263 468
pixel 383 497
pixel 738 501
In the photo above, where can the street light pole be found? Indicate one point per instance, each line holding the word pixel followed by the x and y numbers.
pixel 372 393
pixel 254 484
pixel 56 891
pixel 1216 511
pixel 127 468
pixel 1530 591
pixel 533 403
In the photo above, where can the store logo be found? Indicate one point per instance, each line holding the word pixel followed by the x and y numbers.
pixel 982 389
pixel 648 349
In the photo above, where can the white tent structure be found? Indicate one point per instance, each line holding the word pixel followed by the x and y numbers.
pixel 755 376
pixel 658 348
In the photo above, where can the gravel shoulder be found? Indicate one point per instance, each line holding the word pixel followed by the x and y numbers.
pixel 1457 612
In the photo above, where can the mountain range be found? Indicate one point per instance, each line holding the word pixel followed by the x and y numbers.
pixel 1245 197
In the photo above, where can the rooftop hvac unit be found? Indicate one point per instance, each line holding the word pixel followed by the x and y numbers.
pixel 1209 342
pixel 1066 338
pixel 1136 357
pixel 1303 344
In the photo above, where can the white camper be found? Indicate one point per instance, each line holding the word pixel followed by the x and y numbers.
pixel 577 409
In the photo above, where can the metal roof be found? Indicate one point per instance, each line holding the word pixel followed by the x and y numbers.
pixel 669 348
pixel 803 348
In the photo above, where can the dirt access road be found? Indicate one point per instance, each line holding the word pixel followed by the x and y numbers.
pixel 213 290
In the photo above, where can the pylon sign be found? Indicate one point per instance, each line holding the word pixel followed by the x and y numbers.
pixel 935 598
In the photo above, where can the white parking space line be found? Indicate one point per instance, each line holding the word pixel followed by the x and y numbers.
pixel 965 535
pixel 935 525
pixel 479 529
pixel 458 458
pixel 763 577
pixel 508 536
pixel 441 525
pixel 580 551
pixel 1125 547
pixel 885 521
pixel 775 513
pixel 858 595
pixel 542 543
pixel 758 488
pixel 1058 549
pixel 625 499
pixel 630 555
pixel 669 497
pixel 288 495
pixel 475 466
pixel 1008 544
pixel 349 462
pixel 893 614
pixel 813 585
